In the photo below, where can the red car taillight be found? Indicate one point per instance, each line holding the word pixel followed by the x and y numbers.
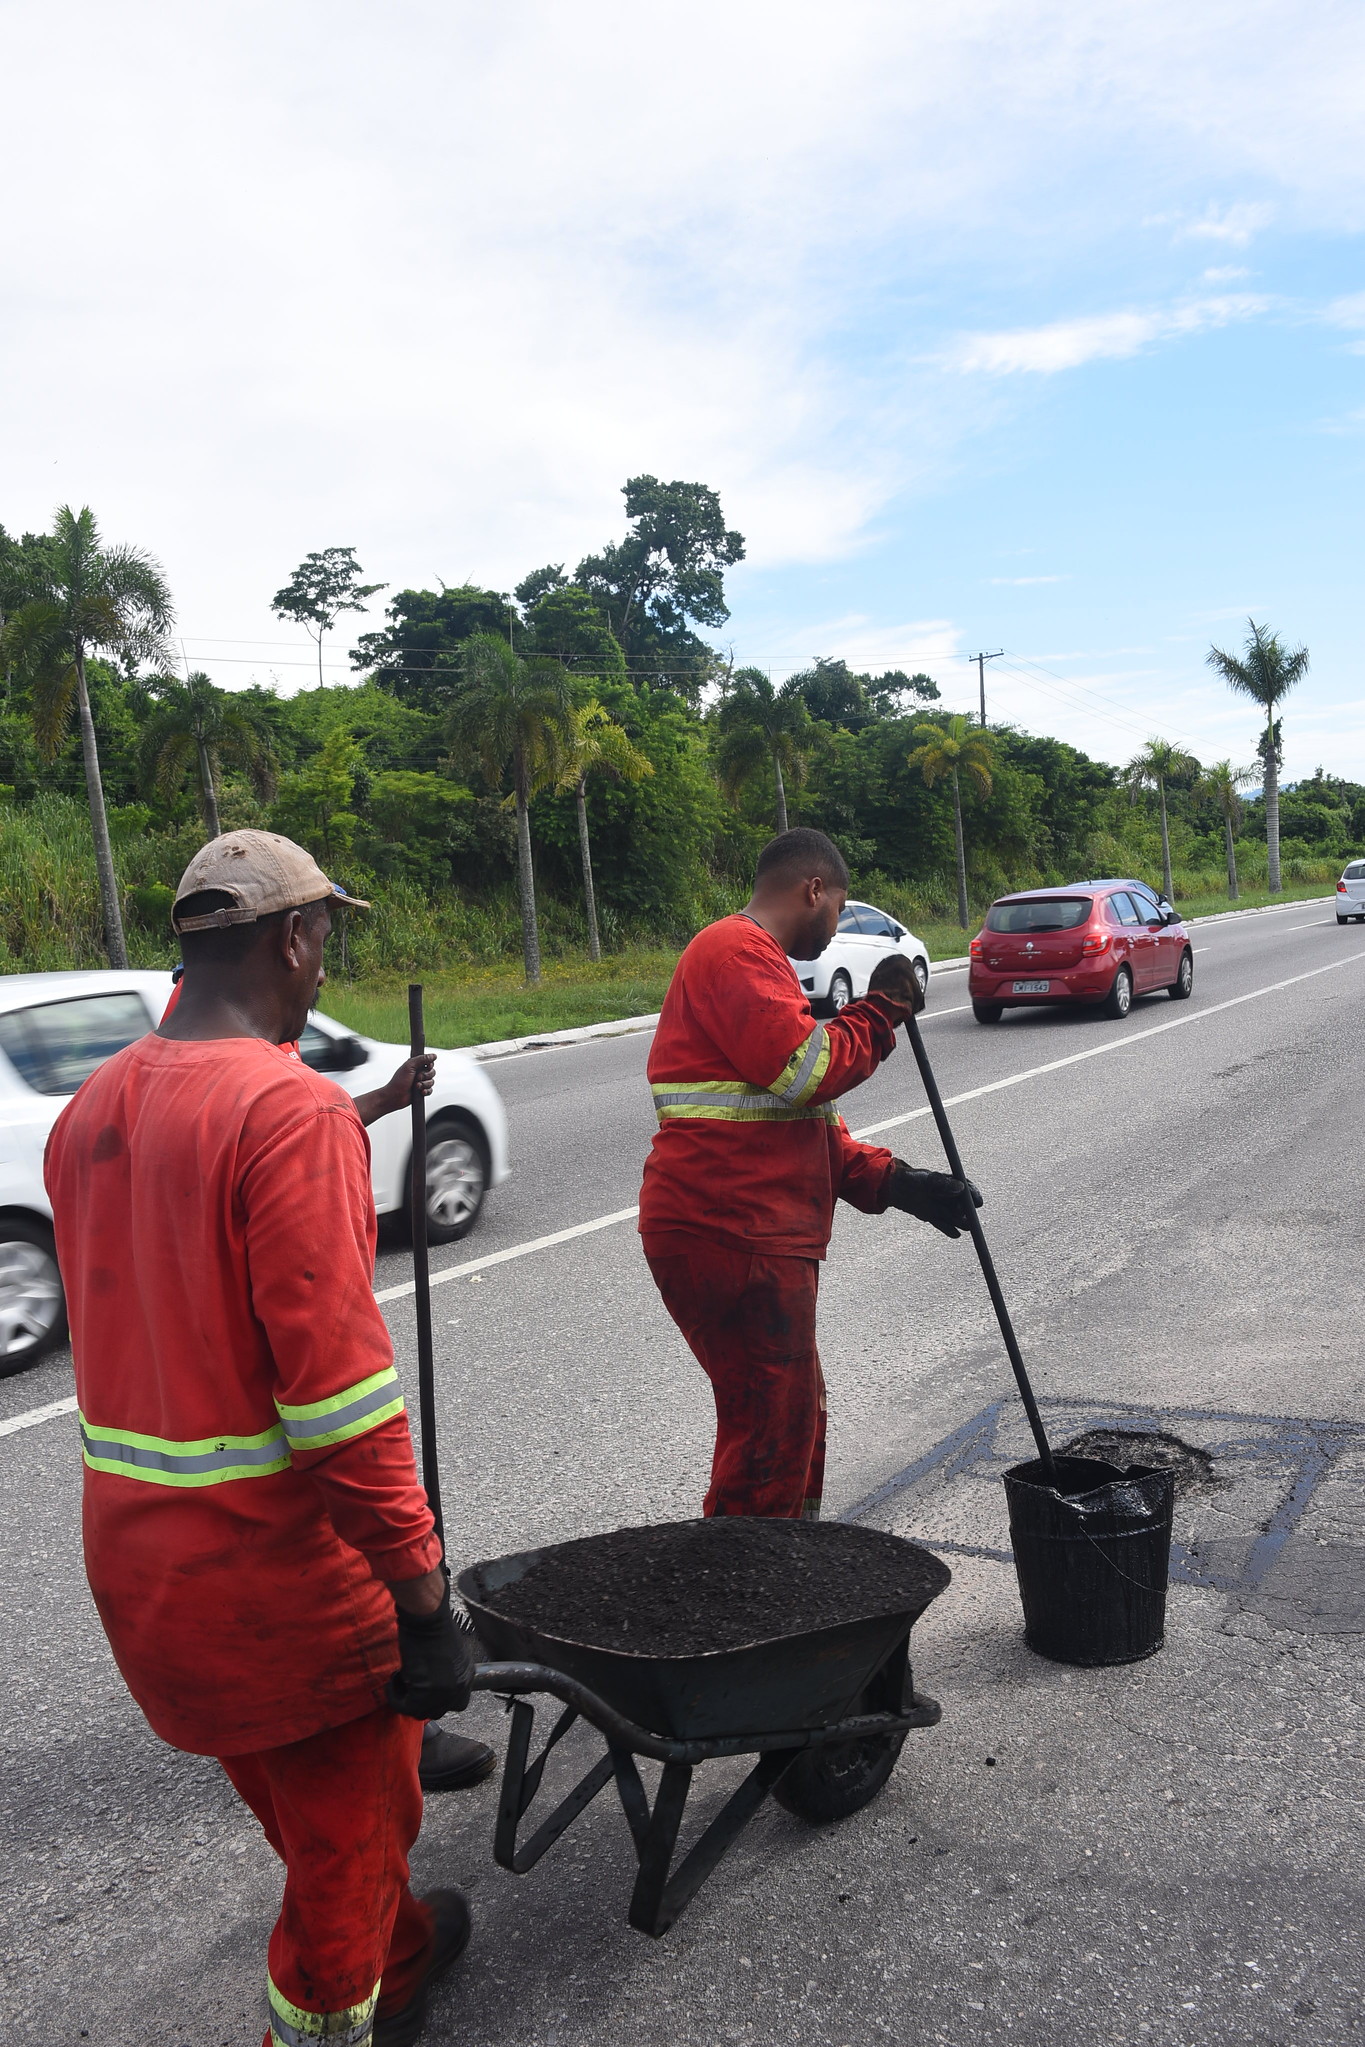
pixel 1341 888
pixel 974 949
pixel 1097 942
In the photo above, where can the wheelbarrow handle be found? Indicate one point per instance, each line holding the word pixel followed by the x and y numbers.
pixel 421 1270
pixel 978 1235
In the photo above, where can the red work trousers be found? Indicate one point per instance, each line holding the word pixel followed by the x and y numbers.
pixel 750 1323
pixel 341 1810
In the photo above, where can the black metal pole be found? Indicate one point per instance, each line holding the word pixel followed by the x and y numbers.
pixel 421 1272
pixel 1002 1313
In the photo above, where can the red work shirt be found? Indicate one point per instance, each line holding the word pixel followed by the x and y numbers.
pixel 751 1151
pixel 249 1477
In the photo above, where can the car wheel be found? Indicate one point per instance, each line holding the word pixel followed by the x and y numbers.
pixel 1345 920
pixel 1119 1000
pixel 457 1177
pixel 32 1304
pixel 988 1012
pixel 840 992
pixel 920 970
pixel 1179 990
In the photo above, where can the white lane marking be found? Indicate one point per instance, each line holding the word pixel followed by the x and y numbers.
pixel 621 1215
pixel 1113 1045
pixel 956 1010
pixel 31 1419
pixel 1318 924
pixel 473 1265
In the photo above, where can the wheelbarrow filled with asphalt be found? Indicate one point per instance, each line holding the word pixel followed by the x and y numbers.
pixel 785 1640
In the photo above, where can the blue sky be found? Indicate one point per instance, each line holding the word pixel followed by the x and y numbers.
pixel 1012 325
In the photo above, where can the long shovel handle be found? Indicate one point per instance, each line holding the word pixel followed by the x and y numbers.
pixel 1002 1313
pixel 421 1270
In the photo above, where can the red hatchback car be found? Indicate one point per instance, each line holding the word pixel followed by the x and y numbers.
pixel 1092 943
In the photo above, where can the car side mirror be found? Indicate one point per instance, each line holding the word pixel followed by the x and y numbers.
pixel 1169 916
pixel 350 1053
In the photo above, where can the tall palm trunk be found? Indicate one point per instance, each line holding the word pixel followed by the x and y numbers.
pixel 99 825
pixel 1233 890
pixel 1165 844
pixel 526 877
pixel 962 917
pixel 207 791
pixel 1272 807
pixel 585 849
pixel 781 795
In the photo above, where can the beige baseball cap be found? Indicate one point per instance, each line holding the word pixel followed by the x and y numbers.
pixel 262 872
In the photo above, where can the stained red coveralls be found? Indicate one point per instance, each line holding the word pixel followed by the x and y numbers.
pixel 737 1206
pixel 249 1479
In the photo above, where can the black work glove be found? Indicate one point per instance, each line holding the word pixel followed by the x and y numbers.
pixel 894 977
pixel 436 1663
pixel 935 1198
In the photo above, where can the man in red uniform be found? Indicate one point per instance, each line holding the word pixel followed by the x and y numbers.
pixel 750 1156
pixel 259 1546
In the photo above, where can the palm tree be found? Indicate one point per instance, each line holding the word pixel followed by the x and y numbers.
pixel 1221 784
pixel 597 745
pixel 1159 763
pixel 1265 672
pixel 947 752
pixel 194 722
pixel 91 599
pixel 762 727
pixel 517 713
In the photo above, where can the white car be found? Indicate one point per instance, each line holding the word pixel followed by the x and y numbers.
pixel 55 1029
pixel 865 935
pixel 1351 892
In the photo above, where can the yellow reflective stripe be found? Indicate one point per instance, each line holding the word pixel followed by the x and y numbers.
pixel 319 1423
pixel 724 1101
pixel 203 1460
pixel 805 1070
pixel 292 2026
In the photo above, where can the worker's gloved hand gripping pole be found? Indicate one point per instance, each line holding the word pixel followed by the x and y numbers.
pixel 973 1221
pixel 437 1653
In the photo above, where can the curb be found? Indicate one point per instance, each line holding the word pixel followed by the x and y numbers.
pixel 622 1027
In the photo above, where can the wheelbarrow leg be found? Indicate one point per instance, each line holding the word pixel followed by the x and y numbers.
pixel 656 1900
pixel 519 1787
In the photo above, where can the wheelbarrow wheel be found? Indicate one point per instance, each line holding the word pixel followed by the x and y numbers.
pixel 829 1783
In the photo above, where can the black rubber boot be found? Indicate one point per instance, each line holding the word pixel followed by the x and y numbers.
pixel 452 1762
pixel 450 1938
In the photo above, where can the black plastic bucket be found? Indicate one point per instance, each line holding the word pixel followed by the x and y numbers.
pixel 1093 1554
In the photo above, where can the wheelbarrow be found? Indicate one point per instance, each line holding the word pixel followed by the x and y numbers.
pixel 824 1709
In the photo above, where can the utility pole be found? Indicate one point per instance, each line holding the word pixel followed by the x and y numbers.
pixel 981 660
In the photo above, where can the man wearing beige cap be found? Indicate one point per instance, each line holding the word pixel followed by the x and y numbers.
pixel 256 1538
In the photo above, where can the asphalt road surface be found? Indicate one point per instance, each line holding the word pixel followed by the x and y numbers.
pixel 1162 1853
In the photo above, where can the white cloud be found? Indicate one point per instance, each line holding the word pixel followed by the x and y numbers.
pixel 1235 225
pixel 1226 273
pixel 1067 344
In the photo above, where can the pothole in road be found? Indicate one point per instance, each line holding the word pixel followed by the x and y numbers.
pixel 1193 1468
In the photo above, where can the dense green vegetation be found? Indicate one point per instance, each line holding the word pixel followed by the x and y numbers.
pixel 410 784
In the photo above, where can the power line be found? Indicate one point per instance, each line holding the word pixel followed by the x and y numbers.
pixel 981 660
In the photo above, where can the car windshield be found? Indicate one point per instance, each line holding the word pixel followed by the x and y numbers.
pixel 1058 913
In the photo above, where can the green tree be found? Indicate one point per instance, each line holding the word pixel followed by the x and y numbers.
pixel 946 753
pixel 1265 671
pixel 1221 785
pixel 315 803
pixel 596 745
pixel 87 598
pixel 196 724
pixel 513 714
pixel 419 655
pixel 847 701
pixel 1158 766
pixel 665 576
pixel 568 623
pixel 320 589
pixel 760 727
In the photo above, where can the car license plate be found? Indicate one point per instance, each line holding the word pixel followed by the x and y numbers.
pixel 1032 987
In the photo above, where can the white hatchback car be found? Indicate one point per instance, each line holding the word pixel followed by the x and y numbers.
pixel 55 1029
pixel 1351 892
pixel 865 935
